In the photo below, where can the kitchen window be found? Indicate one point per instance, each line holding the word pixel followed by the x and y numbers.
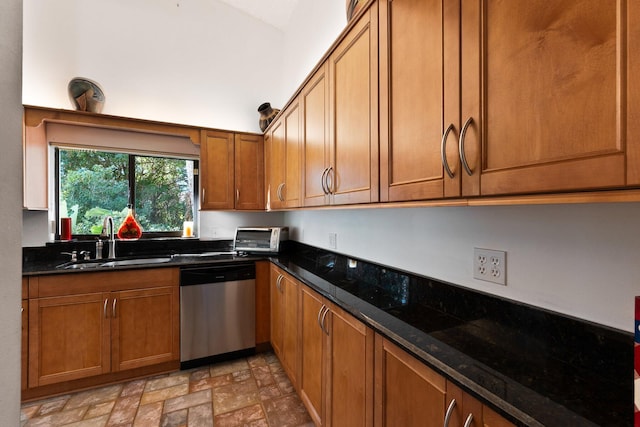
pixel 92 184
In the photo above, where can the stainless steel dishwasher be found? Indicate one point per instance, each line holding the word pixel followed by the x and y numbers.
pixel 217 313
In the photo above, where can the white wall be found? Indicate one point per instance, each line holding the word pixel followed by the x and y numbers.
pixel 197 62
pixel 313 28
pixel 222 225
pixel 10 211
pixel 581 260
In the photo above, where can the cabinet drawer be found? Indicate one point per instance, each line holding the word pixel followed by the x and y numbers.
pixel 103 281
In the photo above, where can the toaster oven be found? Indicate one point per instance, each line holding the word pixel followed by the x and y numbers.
pixel 259 239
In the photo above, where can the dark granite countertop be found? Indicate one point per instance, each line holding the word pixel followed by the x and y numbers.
pixel 535 367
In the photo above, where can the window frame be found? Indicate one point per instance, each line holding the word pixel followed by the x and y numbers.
pixel 132 197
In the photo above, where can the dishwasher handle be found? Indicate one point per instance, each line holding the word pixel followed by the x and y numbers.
pixel 216 274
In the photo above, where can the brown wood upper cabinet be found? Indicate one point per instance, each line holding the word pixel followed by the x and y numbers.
pixel 419 83
pixel 232 171
pixel 340 120
pixel 282 145
pixel 483 97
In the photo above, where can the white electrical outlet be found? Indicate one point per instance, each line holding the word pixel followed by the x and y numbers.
pixel 490 265
pixel 333 240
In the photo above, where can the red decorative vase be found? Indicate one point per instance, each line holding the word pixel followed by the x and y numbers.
pixel 130 228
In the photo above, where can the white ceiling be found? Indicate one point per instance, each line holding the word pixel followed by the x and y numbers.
pixel 273 12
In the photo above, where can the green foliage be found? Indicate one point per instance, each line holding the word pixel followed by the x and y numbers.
pixel 96 184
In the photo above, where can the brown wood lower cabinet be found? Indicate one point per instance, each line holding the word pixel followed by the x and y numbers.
pixel 89 324
pixel 284 321
pixel 408 393
pixel 25 334
pixel 336 381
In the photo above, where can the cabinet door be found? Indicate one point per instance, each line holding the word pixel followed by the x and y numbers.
pixel 285 152
pixel 413 98
pixel 311 382
pixel 277 164
pixel 290 289
pixel 145 327
pixel 464 409
pixel 249 172
pixel 69 338
pixel 350 371
pixel 217 170
pixel 276 311
pixel 353 72
pixel 544 94
pixel 25 344
pixel 315 111
pixel 408 393
pixel 291 190
pixel 492 419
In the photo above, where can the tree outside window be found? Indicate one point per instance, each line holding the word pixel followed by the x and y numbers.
pixel 95 184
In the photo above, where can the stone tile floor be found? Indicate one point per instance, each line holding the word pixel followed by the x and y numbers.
pixel 252 392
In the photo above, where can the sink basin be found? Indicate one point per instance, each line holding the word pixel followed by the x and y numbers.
pixel 140 261
pixel 83 265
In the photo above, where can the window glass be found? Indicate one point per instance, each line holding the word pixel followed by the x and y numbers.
pixel 95 184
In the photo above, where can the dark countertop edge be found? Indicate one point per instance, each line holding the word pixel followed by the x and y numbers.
pixel 49 269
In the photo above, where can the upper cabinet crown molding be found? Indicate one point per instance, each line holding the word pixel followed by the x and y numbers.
pixel 35 116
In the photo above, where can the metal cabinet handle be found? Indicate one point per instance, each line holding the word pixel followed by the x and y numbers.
pixel 203 190
pixel 319 315
pixel 324 315
pixel 463 158
pixel 279 192
pixel 323 181
pixel 329 183
pixel 237 195
pixel 278 282
pixel 450 409
pixel 104 308
pixel 443 149
pixel 469 420
pixel 113 308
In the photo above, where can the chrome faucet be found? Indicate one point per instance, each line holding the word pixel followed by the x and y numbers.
pixel 107 227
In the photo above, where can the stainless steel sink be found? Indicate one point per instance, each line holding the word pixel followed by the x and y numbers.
pixel 80 265
pixel 140 261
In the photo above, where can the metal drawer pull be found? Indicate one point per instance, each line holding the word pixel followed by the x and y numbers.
pixel 469 420
pixel 463 133
pixel 443 149
pixel 115 300
pixel 104 308
pixel 450 409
